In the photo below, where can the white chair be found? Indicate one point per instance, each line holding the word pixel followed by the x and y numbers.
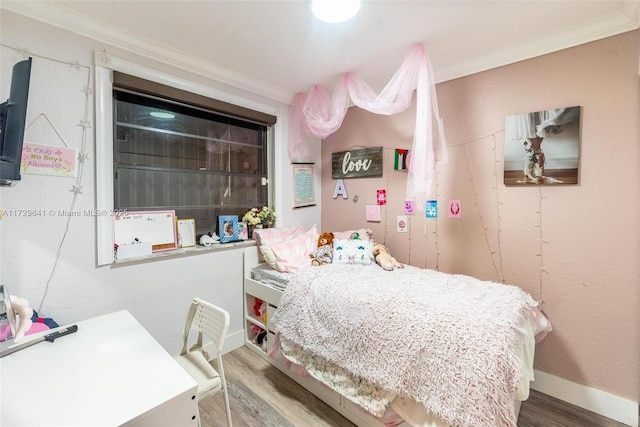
pixel 212 321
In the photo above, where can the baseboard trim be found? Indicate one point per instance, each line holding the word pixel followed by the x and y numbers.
pixel 603 403
pixel 232 341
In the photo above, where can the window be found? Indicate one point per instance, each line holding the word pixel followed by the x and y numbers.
pixel 213 157
pixel 172 156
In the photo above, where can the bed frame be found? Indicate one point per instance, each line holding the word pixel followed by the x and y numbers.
pixel 255 289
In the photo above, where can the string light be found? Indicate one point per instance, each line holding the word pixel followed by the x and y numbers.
pixel 542 243
pixel 435 231
pixel 85 124
pixel 482 220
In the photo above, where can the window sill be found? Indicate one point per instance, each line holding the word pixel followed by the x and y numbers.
pixel 192 250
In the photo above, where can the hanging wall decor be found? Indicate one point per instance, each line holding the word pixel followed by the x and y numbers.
pixel 455 209
pixel 363 163
pixel 431 209
pixel 52 160
pixel 341 190
pixel 401 159
pixel 303 194
pixel 542 147
pixel 409 207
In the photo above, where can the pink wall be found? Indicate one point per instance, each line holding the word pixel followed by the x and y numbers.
pixel 575 247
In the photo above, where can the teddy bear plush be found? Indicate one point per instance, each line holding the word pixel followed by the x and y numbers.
pixel 384 258
pixel 323 254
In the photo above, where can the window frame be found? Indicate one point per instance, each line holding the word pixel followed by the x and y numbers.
pixel 104 155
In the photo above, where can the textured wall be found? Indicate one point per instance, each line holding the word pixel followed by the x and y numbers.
pixel 574 247
pixel 48 248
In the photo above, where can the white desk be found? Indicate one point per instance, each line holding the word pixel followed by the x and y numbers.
pixel 111 372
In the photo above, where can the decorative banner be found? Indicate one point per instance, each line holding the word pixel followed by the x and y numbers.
pixel 373 213
pixel 402 159
pixel 341 190
pixel 409 207
pixel 357 163
pixel 455 209
pixel 381 197
pixel 402 224
pixel 431 209
pixel 52 160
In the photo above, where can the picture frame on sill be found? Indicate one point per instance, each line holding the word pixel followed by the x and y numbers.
pixel 228 228
pixel 243 231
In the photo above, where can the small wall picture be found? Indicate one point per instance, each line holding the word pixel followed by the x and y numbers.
pixel 542 148
pixel 228 228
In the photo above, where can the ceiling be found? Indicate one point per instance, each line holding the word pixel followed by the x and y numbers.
pixel 277 48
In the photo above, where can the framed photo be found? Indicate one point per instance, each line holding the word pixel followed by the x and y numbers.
pixel 542 147
pixel 243 231
pixel 303 193
pixel 186 232
pixel 228 228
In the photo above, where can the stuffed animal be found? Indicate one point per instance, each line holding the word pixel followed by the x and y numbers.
pixel 384 258
pixel 323 254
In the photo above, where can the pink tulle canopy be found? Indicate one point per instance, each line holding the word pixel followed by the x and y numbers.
pixel 319 115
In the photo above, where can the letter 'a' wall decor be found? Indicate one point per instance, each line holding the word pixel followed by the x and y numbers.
pixel 357 163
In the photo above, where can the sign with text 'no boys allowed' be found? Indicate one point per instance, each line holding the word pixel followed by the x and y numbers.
pixel 39 159
pixel 357 163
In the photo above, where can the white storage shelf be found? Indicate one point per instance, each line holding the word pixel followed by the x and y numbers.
pixel 254 289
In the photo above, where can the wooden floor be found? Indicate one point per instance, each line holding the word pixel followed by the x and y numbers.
pixel 261 395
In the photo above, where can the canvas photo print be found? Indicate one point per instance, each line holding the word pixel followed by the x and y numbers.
pixel 542 147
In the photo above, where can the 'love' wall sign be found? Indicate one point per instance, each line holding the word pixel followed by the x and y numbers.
pixel 357 163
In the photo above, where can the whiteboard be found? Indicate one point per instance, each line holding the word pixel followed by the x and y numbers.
pixel 157 227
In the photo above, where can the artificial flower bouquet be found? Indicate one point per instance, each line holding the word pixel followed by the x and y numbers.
pixel 260 216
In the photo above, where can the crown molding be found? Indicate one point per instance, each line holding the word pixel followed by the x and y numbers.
pixel 628 19
pixel 606 26
pixel 70 20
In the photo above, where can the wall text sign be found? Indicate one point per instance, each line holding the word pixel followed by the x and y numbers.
pixel 357 163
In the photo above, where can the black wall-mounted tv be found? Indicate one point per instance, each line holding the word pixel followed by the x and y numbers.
pixel 13 114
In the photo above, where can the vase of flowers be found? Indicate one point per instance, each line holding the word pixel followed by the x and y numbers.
pixel 263 217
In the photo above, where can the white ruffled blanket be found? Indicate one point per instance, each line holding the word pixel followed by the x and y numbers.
pixel 447 341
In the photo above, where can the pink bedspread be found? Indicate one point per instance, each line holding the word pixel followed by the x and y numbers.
pixel 449 342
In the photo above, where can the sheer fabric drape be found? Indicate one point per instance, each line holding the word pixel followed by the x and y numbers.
pixel 319 114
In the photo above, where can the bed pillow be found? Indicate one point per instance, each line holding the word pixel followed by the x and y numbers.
pixel 293 254
pixel 346 251
pixel 270 236
pixel 362 233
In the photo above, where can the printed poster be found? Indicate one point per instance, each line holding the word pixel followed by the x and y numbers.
pixel 431 209
pixel 455 209
pixel 373 213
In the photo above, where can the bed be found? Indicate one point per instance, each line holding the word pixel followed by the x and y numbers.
pixel 404 347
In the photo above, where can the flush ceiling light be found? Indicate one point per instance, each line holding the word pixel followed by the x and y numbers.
pixel 335 11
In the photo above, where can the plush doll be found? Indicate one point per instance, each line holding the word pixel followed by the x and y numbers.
pixel 384 258
pixel 323 254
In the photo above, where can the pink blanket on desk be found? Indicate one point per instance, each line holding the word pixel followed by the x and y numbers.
pixel 447 341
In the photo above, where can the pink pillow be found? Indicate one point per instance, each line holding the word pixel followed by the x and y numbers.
pixel 363 233
pixel 293 254
pixel 270 236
